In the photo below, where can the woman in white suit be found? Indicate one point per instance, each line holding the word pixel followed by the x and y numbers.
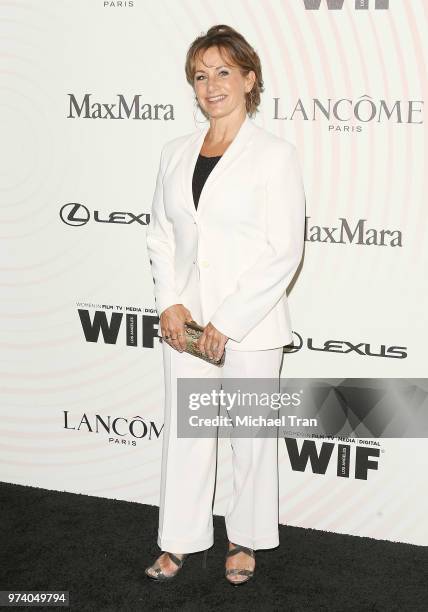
pixel 225 239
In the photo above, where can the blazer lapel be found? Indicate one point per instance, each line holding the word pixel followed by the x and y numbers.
pixel 190 156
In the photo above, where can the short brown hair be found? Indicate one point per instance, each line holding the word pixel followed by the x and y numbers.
pixel 240 52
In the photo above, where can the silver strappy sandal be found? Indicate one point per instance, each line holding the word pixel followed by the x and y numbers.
pixel 159 574
pixel 236 571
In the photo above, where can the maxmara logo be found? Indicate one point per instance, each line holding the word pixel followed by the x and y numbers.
pixel 352 233
pixel 346 110
pixel 86 108
pixel 337 5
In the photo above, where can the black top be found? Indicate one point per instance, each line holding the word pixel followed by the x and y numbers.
pixel 203 167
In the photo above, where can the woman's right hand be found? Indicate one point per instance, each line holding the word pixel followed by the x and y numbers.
pixel 172 321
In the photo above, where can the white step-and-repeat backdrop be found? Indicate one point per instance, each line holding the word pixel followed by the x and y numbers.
pixel 90 91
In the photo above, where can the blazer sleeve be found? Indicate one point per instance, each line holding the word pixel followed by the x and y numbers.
pixel 263 284
pixel 161 247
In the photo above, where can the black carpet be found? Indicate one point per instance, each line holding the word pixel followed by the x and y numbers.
pixel 97 550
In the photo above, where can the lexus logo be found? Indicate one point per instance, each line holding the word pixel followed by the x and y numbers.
pixel 76 214
pixel 365 349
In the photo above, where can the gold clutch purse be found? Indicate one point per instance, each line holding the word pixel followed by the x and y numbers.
pixel 193 332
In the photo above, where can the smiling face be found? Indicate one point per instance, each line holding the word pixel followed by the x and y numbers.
pixel 219 86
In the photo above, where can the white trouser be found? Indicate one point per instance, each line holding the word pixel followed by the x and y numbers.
pixel 189 464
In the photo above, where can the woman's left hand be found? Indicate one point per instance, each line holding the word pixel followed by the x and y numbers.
pixel 212 342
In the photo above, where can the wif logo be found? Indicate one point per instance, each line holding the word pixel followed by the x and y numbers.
pixel 364 459
pixel 337 5
pixel 134 328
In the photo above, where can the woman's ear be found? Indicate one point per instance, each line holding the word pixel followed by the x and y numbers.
pixel 251 79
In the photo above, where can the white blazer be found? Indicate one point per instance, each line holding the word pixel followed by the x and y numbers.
pixel 231 260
